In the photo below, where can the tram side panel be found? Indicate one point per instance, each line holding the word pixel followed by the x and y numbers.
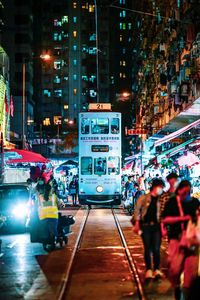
pixel 100 161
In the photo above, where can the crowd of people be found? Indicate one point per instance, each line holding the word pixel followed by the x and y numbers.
pixel 45 200
pixel 173 213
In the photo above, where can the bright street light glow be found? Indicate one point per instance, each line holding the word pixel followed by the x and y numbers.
pixel 20 211
pixel 125 94
pixel 71 122
pixel 45 57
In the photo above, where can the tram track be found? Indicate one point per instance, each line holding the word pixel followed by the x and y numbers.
pixel 76 247
pixel 131 261
pixel 135 278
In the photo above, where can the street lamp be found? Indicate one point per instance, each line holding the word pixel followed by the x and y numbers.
pixel 44 57
pixel 125 94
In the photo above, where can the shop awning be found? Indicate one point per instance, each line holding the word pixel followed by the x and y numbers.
pixel 176 133
pixel 23 156
pixel 183 122
pixel 175 149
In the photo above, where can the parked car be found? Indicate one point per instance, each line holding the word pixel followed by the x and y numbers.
pixel 14 206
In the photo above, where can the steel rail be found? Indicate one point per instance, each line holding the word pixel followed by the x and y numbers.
pixel 131 262
pixel 76 247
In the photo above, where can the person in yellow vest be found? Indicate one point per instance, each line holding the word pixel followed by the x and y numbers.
pixel 48 213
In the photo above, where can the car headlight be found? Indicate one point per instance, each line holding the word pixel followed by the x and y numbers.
pixel 99 189
pixel 20 211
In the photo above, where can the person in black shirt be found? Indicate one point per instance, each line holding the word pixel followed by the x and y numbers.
pixel 177 212
pixel 147 219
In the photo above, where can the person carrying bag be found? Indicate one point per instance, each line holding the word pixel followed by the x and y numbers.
pixel 182 251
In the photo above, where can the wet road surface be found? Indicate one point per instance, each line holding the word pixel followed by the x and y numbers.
pixel 100 270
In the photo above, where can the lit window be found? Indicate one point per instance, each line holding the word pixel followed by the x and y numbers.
pixel 129 26
pixel 120 63
pixel 65 19
pixel 75 34
pixel 92 50
pixel 57 23
pixel 57 120
pixel 75 62
pixel 120 75
pixel 75 47
pixel 124 50
pixel 120 25
pixel 75 105
pixel 57 65
pixel 56 79
pixel 47 93
pixel 46 122
pixel 124 13
pixel 124 63
pixel 64 34
pixel 124 75
pixel 66 78
pixel 92 78
pixel 84 77
pixel 74 5
pixel 120 38
pixel 57 36
pixel 75 91
pixel 66 106
pixel 58 93
pixel 75 19
pixel 91 8
pixel 124 26
pixel 75 76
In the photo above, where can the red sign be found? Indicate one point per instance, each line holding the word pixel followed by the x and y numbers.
pixel 137 131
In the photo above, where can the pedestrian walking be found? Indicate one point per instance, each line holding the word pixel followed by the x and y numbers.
pixel 173 180
pixel 177 212
pixel 129 188
pixel 147 222
pixel 73 190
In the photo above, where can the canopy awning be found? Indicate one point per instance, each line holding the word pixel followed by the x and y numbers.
pixel 176 133
pixel 183 122
pixel 175 149
pixel 23 156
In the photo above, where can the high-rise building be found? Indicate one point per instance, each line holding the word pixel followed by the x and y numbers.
pixel 68 81
pixel 17 38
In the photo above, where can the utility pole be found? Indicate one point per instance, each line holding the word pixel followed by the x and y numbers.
pixel 97 51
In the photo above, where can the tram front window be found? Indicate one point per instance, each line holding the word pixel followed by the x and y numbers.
pixel 100 126
pixel 113 165
pixel 115 126
pixel 100 166
pixel 85 125
pixel 86 165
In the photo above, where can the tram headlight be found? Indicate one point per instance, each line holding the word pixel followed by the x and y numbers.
pixel 99 189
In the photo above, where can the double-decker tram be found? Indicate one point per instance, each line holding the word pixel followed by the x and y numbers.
pixel 100 156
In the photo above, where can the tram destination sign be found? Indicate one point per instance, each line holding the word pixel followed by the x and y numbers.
pixel 100 106
pixel 100 148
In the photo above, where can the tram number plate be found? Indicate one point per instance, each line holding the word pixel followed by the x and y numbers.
pixel 99 106
pixel 100 148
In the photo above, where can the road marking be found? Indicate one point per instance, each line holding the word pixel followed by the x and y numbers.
pixel 12 244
